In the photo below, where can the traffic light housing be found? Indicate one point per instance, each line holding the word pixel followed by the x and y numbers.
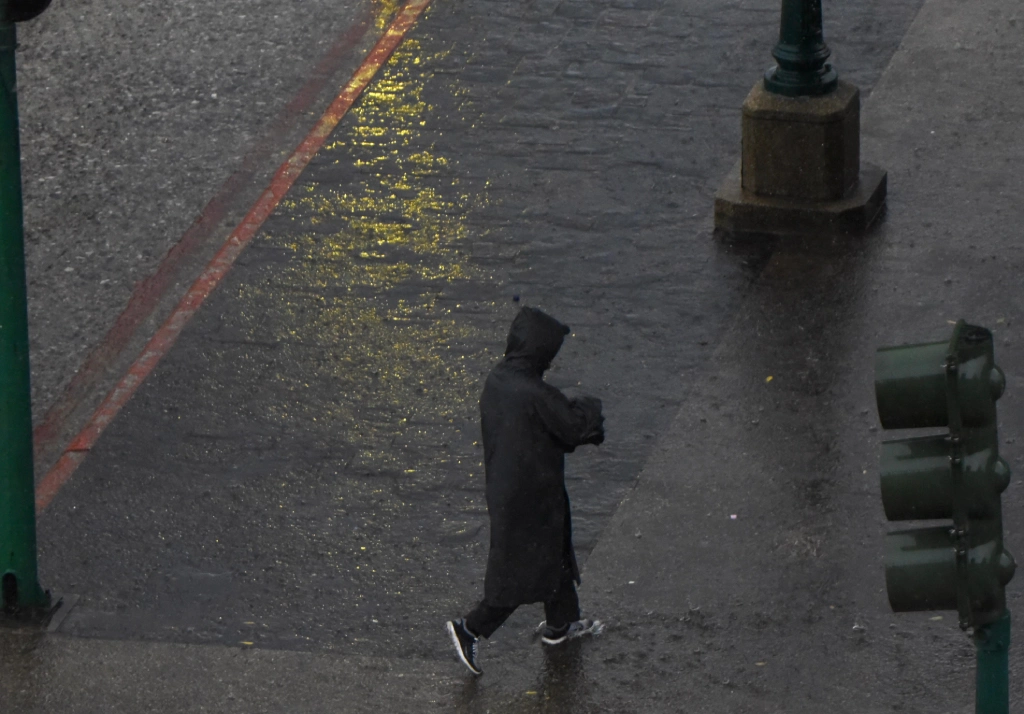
pixel 955 475
pixel 21 10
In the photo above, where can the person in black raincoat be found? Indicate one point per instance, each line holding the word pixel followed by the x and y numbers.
pixel 528 426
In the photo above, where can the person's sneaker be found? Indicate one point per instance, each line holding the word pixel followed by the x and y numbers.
pixel 465 644
pixel 551 636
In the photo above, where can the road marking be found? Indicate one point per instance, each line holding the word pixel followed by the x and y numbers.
pixel 148 293
pixel 284 178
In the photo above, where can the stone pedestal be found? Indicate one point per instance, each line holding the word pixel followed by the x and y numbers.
pixel 800 171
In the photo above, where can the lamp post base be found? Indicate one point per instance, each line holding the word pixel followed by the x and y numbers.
pixel 800 169
pixel 741 211
pixel 53 608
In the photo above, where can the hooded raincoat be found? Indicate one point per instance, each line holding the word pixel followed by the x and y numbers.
pixel 528 427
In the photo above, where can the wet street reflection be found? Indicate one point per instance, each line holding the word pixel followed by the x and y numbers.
pixel 298 484
pixel 559 685
pixel 309 452
pixel 368 262
pixel 319 416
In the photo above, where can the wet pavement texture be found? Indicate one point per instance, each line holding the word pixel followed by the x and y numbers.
pixel 133 117
pixel 298 484
pixel 303 469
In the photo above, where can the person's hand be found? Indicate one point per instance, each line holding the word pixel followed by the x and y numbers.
pixel 591 407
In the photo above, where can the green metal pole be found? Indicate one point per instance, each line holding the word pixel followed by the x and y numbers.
pixel 18 570
pixel 992 686
pixel 801 53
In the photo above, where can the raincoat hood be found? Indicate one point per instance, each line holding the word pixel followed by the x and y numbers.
pixel 534 339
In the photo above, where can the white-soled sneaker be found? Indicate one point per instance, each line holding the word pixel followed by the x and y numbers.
pixel 551 636
pixel 465 644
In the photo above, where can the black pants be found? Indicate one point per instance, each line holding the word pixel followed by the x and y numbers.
pixel 562 609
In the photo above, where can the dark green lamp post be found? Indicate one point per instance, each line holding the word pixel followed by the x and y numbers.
pixel 801 53
pixel 20 592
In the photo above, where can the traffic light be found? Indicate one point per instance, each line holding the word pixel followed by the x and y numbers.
pixel 956 474
pixel 21 10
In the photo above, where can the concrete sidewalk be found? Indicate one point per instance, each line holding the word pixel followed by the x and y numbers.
pixel 781 609
pixel 793 615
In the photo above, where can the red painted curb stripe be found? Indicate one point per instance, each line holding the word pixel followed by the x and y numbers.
pixel 57 477
pixel 147 293
pixel 283 180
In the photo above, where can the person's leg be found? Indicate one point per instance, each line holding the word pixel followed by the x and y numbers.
pixel 563 609
pixel 481 622
pixel 486 618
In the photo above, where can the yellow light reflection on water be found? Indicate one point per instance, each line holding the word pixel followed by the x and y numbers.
pixel 366 280
pixel 384 11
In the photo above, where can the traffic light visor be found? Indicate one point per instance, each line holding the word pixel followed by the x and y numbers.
pixel 910 386
pixel 917 481
pixel 21 10
pixel 920 569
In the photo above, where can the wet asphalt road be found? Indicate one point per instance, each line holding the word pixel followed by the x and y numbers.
pixel 147 126
pixel 303 470
pixel 301 473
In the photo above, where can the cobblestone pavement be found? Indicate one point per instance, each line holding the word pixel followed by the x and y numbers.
pixel 303 470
